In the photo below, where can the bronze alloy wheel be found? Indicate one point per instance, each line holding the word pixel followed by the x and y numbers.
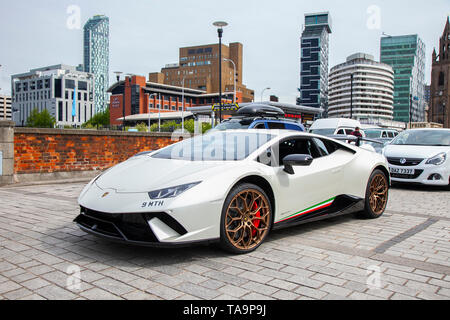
pixel 247 219
pixel 378 190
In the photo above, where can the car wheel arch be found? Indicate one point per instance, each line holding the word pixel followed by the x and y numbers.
pixel 385 171
pixel 263 184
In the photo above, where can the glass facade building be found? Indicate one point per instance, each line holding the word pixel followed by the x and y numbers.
pixel 96 57
pixel 314 50
pixel 406 55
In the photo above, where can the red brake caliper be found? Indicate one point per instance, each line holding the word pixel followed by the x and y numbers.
pixel 256 223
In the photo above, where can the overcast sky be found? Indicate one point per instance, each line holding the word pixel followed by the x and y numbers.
pixel 146 34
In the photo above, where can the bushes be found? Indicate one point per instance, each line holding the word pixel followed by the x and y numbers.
pixel 99 120
pixel 171 126
pixel 41 119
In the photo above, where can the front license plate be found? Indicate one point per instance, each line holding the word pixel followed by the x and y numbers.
pixel 402 171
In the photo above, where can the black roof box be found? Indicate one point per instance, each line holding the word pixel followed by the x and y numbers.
pixel 260 110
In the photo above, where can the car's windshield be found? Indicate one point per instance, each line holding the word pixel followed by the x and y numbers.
pixel 216 146
pixel 233 125
pixel 323 132
pixel 373 134
pixel 423 138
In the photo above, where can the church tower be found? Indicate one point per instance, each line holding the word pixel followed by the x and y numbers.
pixel 440 84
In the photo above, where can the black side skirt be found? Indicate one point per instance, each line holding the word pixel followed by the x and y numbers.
pixel 343 204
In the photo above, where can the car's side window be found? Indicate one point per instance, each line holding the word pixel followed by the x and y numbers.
pixel 390 134
pixel 260 126
pixel 348 131
pixel 321 146
pixel 298 146
pixel 341 131
pixel 276 125
pixel 384 135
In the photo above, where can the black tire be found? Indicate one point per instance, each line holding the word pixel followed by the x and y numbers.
pixel 253 227
pixel 377 195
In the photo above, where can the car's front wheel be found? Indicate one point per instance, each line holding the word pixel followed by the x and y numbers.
pixel 246 219
pixel 377 195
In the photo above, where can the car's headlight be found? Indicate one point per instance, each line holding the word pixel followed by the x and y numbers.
pixel 171 192
pixel 438 159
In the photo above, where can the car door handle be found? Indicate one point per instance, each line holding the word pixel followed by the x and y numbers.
pixel 336 170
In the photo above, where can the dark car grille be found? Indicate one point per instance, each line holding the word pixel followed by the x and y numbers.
pixel 129 226
pixel 407 176
pixel 410 162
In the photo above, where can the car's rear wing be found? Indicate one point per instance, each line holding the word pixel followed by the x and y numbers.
pixel 357 140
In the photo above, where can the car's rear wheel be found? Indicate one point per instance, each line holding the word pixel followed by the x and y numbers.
pixel 377 195
pixel 246 219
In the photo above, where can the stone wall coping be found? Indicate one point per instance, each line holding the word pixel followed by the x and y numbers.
pixel 6 124
pixel 23 130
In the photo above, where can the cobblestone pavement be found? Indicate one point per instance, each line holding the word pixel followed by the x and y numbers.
pixel 403 255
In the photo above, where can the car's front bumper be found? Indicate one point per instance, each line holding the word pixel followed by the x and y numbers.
pixel 423 174
pixel 157 229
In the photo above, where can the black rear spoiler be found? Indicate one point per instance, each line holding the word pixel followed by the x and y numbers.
pixel 356 139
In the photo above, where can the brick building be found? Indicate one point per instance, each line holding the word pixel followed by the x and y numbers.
pixel 143 97
pixel 198 66
pixel 440 81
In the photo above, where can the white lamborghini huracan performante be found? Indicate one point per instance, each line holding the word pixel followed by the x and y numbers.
pixel 233 187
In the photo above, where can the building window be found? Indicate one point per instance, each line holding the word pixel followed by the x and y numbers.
pixel 441 79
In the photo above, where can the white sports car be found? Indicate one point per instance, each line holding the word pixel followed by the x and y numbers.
pixel 420 156
pixel 233 187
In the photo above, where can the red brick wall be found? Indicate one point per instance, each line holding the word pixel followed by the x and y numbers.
pixel 53 150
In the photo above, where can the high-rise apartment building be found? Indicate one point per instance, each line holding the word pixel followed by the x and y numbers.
pixel 53 88
pixel 368 96
pixel 440 84
pixel 198 68
pixel 96 57
pixel 5 107
pixel 406 55
pixel 314 61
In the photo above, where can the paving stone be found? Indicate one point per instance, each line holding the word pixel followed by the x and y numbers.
pixel 197 291
pixel 8 286
pixel 99 294
pixel 164 292
pixel 53 292
pixel 116 287
pixel 35 283
pixel 233 291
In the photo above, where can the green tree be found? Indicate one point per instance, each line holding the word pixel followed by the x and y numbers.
pixel 100 119
pixel 41 119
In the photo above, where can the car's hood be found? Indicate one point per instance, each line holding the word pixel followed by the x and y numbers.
pixel 144 173
pixel 425 152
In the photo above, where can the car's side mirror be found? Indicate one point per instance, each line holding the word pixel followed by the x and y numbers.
pixel 296 160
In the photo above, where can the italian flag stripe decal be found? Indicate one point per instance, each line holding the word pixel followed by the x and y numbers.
pixel 317 207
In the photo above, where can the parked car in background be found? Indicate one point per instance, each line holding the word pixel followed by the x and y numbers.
pixel 380 134
pixel 420 156
pixel 259 116
pixel 337 126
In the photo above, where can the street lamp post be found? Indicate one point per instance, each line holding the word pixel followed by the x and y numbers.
pixel 118 73
pixel 234 67
pixel 262 93
pixel 220 25
pixel 352 76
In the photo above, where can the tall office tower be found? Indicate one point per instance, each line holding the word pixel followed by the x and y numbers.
pixel 406 55
pixel 314 61
pixel 96 57
pixel 440 84
pixel 361 89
